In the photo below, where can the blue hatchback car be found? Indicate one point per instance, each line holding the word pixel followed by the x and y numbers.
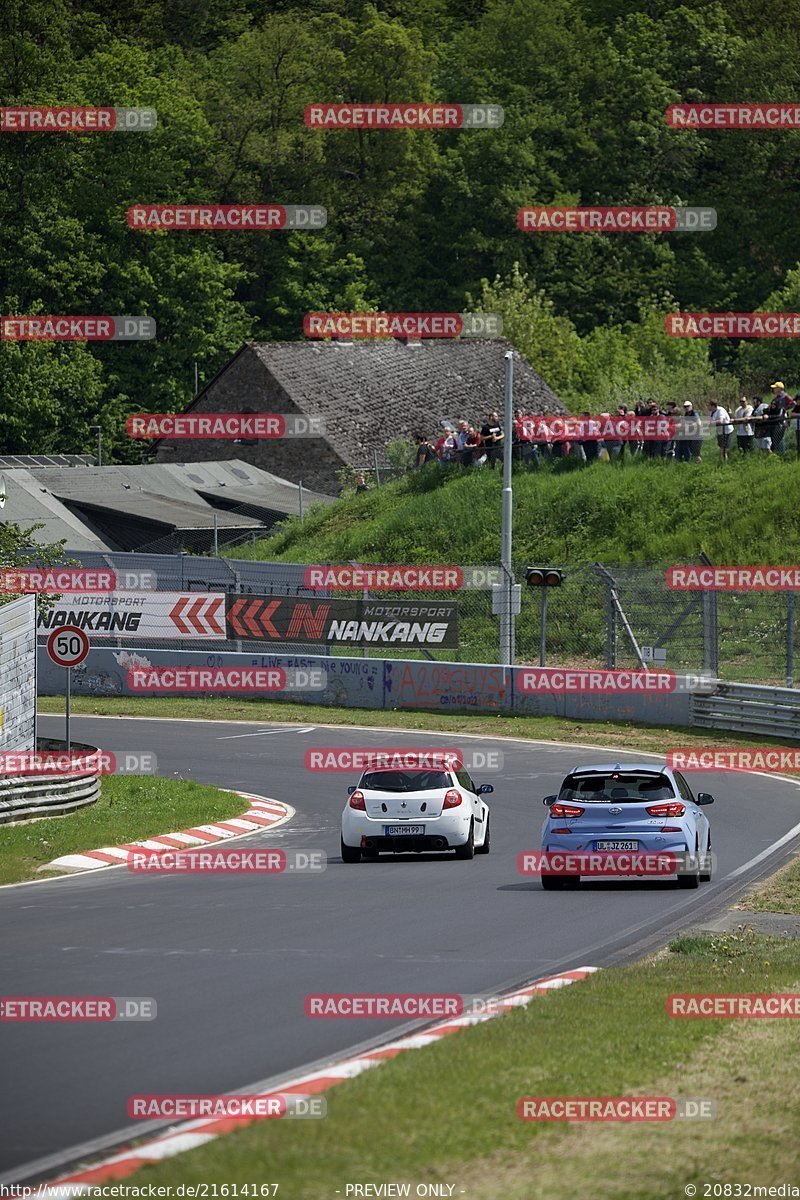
pixel 638 807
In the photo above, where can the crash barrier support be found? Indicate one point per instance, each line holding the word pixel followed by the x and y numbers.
pixel 23 797
pixel 749 708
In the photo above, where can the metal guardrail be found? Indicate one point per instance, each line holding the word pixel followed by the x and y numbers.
pixel 749 708
pixel 26 796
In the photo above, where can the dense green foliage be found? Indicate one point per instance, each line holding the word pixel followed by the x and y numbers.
pixel 417 220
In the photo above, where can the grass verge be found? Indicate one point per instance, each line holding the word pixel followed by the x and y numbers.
pixel 447 1114
pixel 622 734
pixel 780 893
pixel 130 807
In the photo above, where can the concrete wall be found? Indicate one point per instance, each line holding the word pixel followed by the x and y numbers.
pixel 382 684
pixel 18 674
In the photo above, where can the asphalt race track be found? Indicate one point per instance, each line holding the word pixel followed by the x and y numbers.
pixel 229 959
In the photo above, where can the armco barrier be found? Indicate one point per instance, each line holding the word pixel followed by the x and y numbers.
pixel 25 796
pixel 750 709
pixel 381 684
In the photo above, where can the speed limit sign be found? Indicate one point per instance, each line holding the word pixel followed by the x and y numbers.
pixel 68 646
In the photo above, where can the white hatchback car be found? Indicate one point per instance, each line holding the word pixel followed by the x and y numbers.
pixel 413 810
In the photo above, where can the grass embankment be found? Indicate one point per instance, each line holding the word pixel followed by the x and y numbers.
pixel 744 511
pixel 780 893
pixel 447 1114
pixel 644 512
pixel 130 808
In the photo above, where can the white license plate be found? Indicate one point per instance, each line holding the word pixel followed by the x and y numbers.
pixel 618 845
pixel 400 830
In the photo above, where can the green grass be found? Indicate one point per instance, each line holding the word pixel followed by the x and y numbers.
pixel 447 1113
pixel 742 512
pixel 621 734
pixel 780 893
pixel 131 807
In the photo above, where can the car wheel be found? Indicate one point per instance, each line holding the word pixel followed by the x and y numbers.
pixel 705 876
pixel 552 883
pixel 487 841
pixel 692 878
pixel 468 849
pixel 350 854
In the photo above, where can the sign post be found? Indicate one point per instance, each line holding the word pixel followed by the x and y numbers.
pixel 68 646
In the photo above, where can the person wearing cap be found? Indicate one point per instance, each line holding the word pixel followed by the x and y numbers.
pixel 720 418
pixel 688 440
pixel 796 421
pixel 776 412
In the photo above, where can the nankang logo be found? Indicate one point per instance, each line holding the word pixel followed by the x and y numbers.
pixel 406 632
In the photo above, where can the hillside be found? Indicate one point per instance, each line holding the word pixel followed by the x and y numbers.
pixel 745 512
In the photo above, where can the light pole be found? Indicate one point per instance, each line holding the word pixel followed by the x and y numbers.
pixel 98 429
pixel 507 610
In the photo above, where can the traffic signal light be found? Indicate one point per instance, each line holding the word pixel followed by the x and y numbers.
pixel 543 577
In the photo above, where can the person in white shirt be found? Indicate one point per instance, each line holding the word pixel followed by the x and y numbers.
pixel 721 420
pixel 744 428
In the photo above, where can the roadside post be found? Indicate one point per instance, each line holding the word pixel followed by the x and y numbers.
pixel 68 646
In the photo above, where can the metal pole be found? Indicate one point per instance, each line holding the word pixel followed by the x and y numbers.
pixel 300 500
pixel 543 627
pixel 377 472
pixel 196 379
pixel 507 625
pixel 99 448
pixel 69 687
pixel 216 537
pixel 790 639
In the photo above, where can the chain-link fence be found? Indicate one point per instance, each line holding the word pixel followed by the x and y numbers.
pixel 599 616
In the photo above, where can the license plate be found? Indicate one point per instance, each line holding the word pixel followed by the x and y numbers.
pixel 618 845
pixel 400 830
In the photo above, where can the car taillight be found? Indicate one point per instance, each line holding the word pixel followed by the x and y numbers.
pixel 671 829
pixel 565 810
pixel 452 798
pixel 357 801
pixel 673 809
pixel 562 830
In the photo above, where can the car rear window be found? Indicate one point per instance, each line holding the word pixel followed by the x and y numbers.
pixel 601 789
pixel 405 781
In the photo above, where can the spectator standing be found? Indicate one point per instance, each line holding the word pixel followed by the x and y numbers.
pixel 615 446
pixel 761 427
pixel 361 482
pixel 721 420
pixel 690 435
pixel 744 426
pixel 475 447
pixel 424 453
pixel 528 452
pixel 461 441
pixel 795 410
pixel 447 446
pixel 781 402
pixel 591 447
pixel 493 436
